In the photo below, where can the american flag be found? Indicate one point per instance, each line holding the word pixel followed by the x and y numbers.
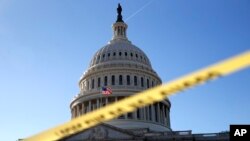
pixel 106 90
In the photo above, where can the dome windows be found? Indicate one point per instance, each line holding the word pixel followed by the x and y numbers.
pixel 147 83
pixel 120 51
pixel 99 82
pixel 120 79
pixel 135 80
pixel 87 85
pixel 113 80
pixel 93 84
pixel 98 58
pixel 128 80
pixel 105 81
pixel 142 82
pixel 121 55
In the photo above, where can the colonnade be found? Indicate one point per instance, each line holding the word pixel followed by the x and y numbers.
pixel 158 112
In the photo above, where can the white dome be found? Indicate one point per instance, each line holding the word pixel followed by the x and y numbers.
pixel 120 50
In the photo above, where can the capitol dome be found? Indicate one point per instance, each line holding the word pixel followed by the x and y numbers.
pixel 120 51
pixel 126 70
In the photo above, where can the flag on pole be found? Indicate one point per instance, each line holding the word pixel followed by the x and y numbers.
pixel 106 90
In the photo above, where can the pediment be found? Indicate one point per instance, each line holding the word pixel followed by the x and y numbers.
pixel 101 132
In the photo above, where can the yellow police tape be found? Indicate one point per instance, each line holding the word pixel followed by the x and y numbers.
pixel 144 98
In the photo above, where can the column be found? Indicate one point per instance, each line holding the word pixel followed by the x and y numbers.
pixel 72 112
pixel 144 113
pixel 164 115
pixel 89 107
pixel 116 99
pixel 147 112
pixel 152 112
pixel 168 119
pixel 106 101
pixel 140 112
pixel 77 110
pixel 158 112
pixel 135 114
pixel 161 115
pixel 83 108
pixel 80 108
pixel 126 116
pixel 98 103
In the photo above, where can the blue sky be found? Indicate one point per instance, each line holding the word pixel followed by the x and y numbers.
pixel 46 45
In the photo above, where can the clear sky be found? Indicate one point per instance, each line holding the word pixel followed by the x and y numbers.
pixel 46 45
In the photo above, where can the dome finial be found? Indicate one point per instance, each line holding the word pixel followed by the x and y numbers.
pixel 119 12
pixel 119 27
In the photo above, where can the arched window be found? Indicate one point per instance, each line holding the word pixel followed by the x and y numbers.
pixel 93 84
pixel 114 54
pixel 108 54
pixel 120 53
pixel 135 80
pixel 136 55
pixel 126 54
pixel 128 80
pixel 99 82
pixel 120 79
pixel 103 55
pixel 142 82
pixel 105 81
pixel 131 54
pixel 147 83
pixel 153 83
pixel 113 80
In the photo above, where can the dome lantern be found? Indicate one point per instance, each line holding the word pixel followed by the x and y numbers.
pixel 119 27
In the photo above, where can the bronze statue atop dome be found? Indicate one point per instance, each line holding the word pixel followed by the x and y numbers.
pixel 119 12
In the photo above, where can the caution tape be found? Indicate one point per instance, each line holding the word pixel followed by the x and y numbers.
pixel 142 99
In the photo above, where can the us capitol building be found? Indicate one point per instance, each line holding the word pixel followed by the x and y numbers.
pixel 126 69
